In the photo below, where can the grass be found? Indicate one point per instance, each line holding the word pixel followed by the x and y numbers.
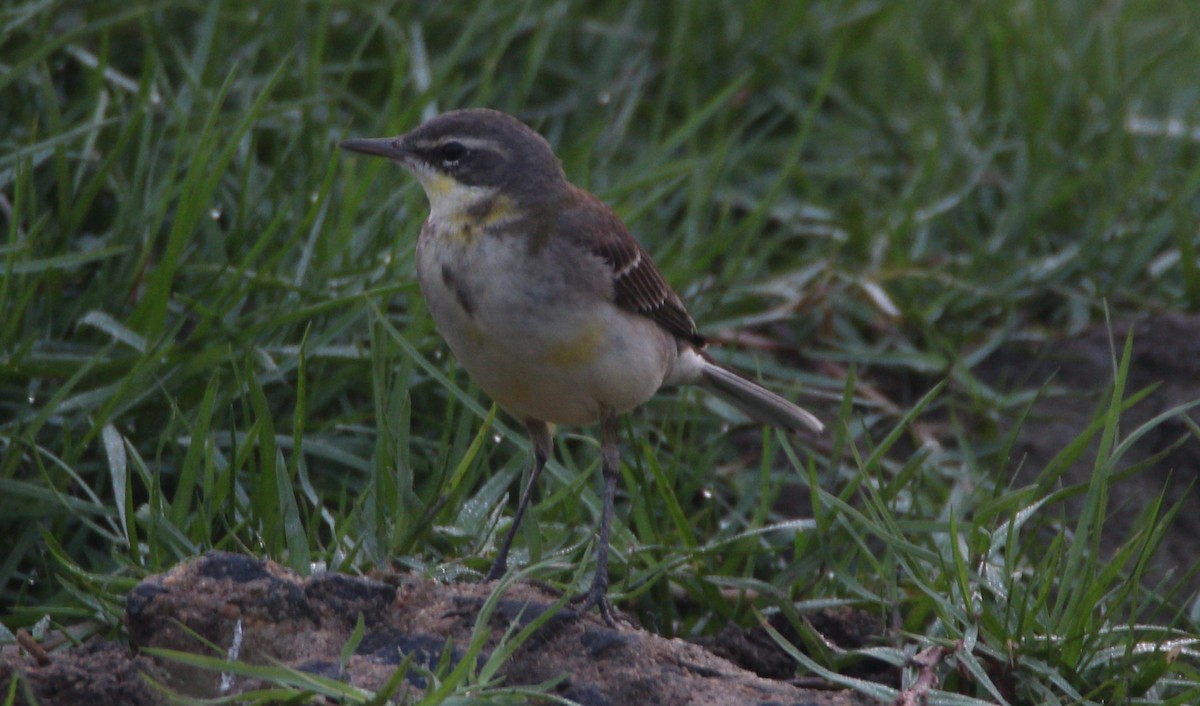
pixel 211 335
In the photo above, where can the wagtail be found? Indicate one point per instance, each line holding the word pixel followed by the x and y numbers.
pixel 548 301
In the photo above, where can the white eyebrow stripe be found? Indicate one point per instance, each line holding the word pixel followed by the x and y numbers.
pixel 475 143
pixel 469 142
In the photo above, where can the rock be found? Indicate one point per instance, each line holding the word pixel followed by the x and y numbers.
pixel 275 616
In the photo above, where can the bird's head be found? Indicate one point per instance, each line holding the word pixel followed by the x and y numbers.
pixel 464 157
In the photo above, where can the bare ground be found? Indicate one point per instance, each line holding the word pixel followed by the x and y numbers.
pixel 225 604
pixel 1077 376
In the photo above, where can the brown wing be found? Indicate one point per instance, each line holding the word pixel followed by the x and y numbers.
pixel 637 284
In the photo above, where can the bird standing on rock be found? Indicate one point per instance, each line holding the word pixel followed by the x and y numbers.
pixel 548 301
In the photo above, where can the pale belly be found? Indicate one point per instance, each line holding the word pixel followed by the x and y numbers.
pixel 536 344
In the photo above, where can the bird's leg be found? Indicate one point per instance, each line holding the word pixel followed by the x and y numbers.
pixel 541 439
pixel 610 464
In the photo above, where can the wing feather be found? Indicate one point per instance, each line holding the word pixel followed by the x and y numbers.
pixel 637 284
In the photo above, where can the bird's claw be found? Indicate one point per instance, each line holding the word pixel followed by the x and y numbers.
pixel 596 597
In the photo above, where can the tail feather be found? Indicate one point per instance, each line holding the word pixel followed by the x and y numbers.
pixel 754 400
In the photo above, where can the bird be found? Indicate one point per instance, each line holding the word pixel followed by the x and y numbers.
pixel 549 303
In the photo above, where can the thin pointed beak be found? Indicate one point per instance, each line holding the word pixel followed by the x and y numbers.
pixel 389 147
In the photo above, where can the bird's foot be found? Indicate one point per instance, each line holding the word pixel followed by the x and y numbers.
pixel 596 597
pixel 499 567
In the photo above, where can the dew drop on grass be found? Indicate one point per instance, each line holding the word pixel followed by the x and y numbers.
pixel 496 438
pixel 214 212
pixel 603 97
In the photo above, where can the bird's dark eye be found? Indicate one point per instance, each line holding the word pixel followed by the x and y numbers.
pixel 452 152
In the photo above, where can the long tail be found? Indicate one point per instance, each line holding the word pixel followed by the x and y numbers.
pixel 757 402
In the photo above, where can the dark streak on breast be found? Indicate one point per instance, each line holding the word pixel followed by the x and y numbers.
pixel 464 299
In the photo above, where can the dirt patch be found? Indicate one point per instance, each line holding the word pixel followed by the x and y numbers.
pixel 99 673
pixel 224 604
pixel 1077 375
pixel 840 627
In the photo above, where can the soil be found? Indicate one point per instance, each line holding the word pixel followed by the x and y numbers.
pixel 228 605
pixel 1076 377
